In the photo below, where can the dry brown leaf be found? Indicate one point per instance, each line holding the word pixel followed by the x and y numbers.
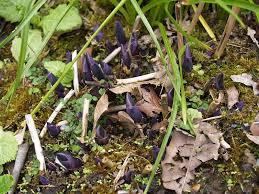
pixel 185 153
pixel 251 33
pixel 127 122
pixel 151 103
pixel 100 108
pixel 233 95
pixel 247 80
pixel 160 126
pixel 253 138
pixel 130 87
pixel 249 157
pixel 254 128
pixel 216 102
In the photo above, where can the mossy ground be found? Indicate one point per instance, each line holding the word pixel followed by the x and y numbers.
pixel 222 176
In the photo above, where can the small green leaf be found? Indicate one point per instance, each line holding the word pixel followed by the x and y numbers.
pixel 34 42
pixel 6 182
pixel 57 68
pixel 71 20
pixel 13 10
pixel 8 147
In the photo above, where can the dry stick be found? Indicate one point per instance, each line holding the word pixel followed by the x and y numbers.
pixel 56 111
pixel 116 108
pixel 212 118
pixel 36 140
pixel 75 80
pixel 195 18
pixel 122 171
pixel 179 19
pixel 85 119
pixel 227 31
pixel 112 55
pixel 139 78
pixel 18 165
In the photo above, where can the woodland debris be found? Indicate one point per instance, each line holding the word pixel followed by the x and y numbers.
pixel 246 79
pixel 185 153
pixel 233 95
pixel 36 141
pixel 100 108
pixel 56 111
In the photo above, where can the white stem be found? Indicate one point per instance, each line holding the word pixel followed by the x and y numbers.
pixel 36 140
pixel 85 119
pixel 212 118
pixel 75 80
pixel 18 165
pixel 138 79
pixel 56 111
pixel 112 55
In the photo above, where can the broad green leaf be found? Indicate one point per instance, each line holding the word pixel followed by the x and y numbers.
pixel 6 182
pixel 57 68
pixel 13 10
pixel 34 43
pixel 8 147
pixel 71 20
pixel 194 114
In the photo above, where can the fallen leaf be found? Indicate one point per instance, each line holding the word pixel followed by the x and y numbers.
pixel 247 80
pixel 233 95
pixel 249 157
pixel 253 138
pixel 151 103
pixel 131 87
pixel 185 153
pixel 214 105
pixel 251 33
pixel 100 108
pixel 254 128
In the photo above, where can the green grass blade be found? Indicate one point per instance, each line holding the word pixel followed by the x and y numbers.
pixel 34 58
pixel 164 143
pixel 183 101
pixel 226 8
pixel 26 20
pixel 179 29
pixel 154 3
pixel 69 65
pixel 22 56
pixel 244 4
pixel 153 36
pixel 122 10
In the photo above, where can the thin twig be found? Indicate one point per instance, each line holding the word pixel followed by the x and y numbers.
pixel 116 108
pixel 122 171
pixel 139 78
pixel 112 55
pixel 195 18
pixel 227 31
pixel 75 67
pixel 212 118
pixel 56 111
pixel 85 119
pixel 18 165
pixel 36 141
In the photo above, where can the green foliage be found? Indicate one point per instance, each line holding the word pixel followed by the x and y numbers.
pixel 13 10
pixel 8 147
pixel 36 75
pixel 6 182
pixel 70 21
pixel 57 68
pixel 34 42
pixel 71 115
pixel 25 21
